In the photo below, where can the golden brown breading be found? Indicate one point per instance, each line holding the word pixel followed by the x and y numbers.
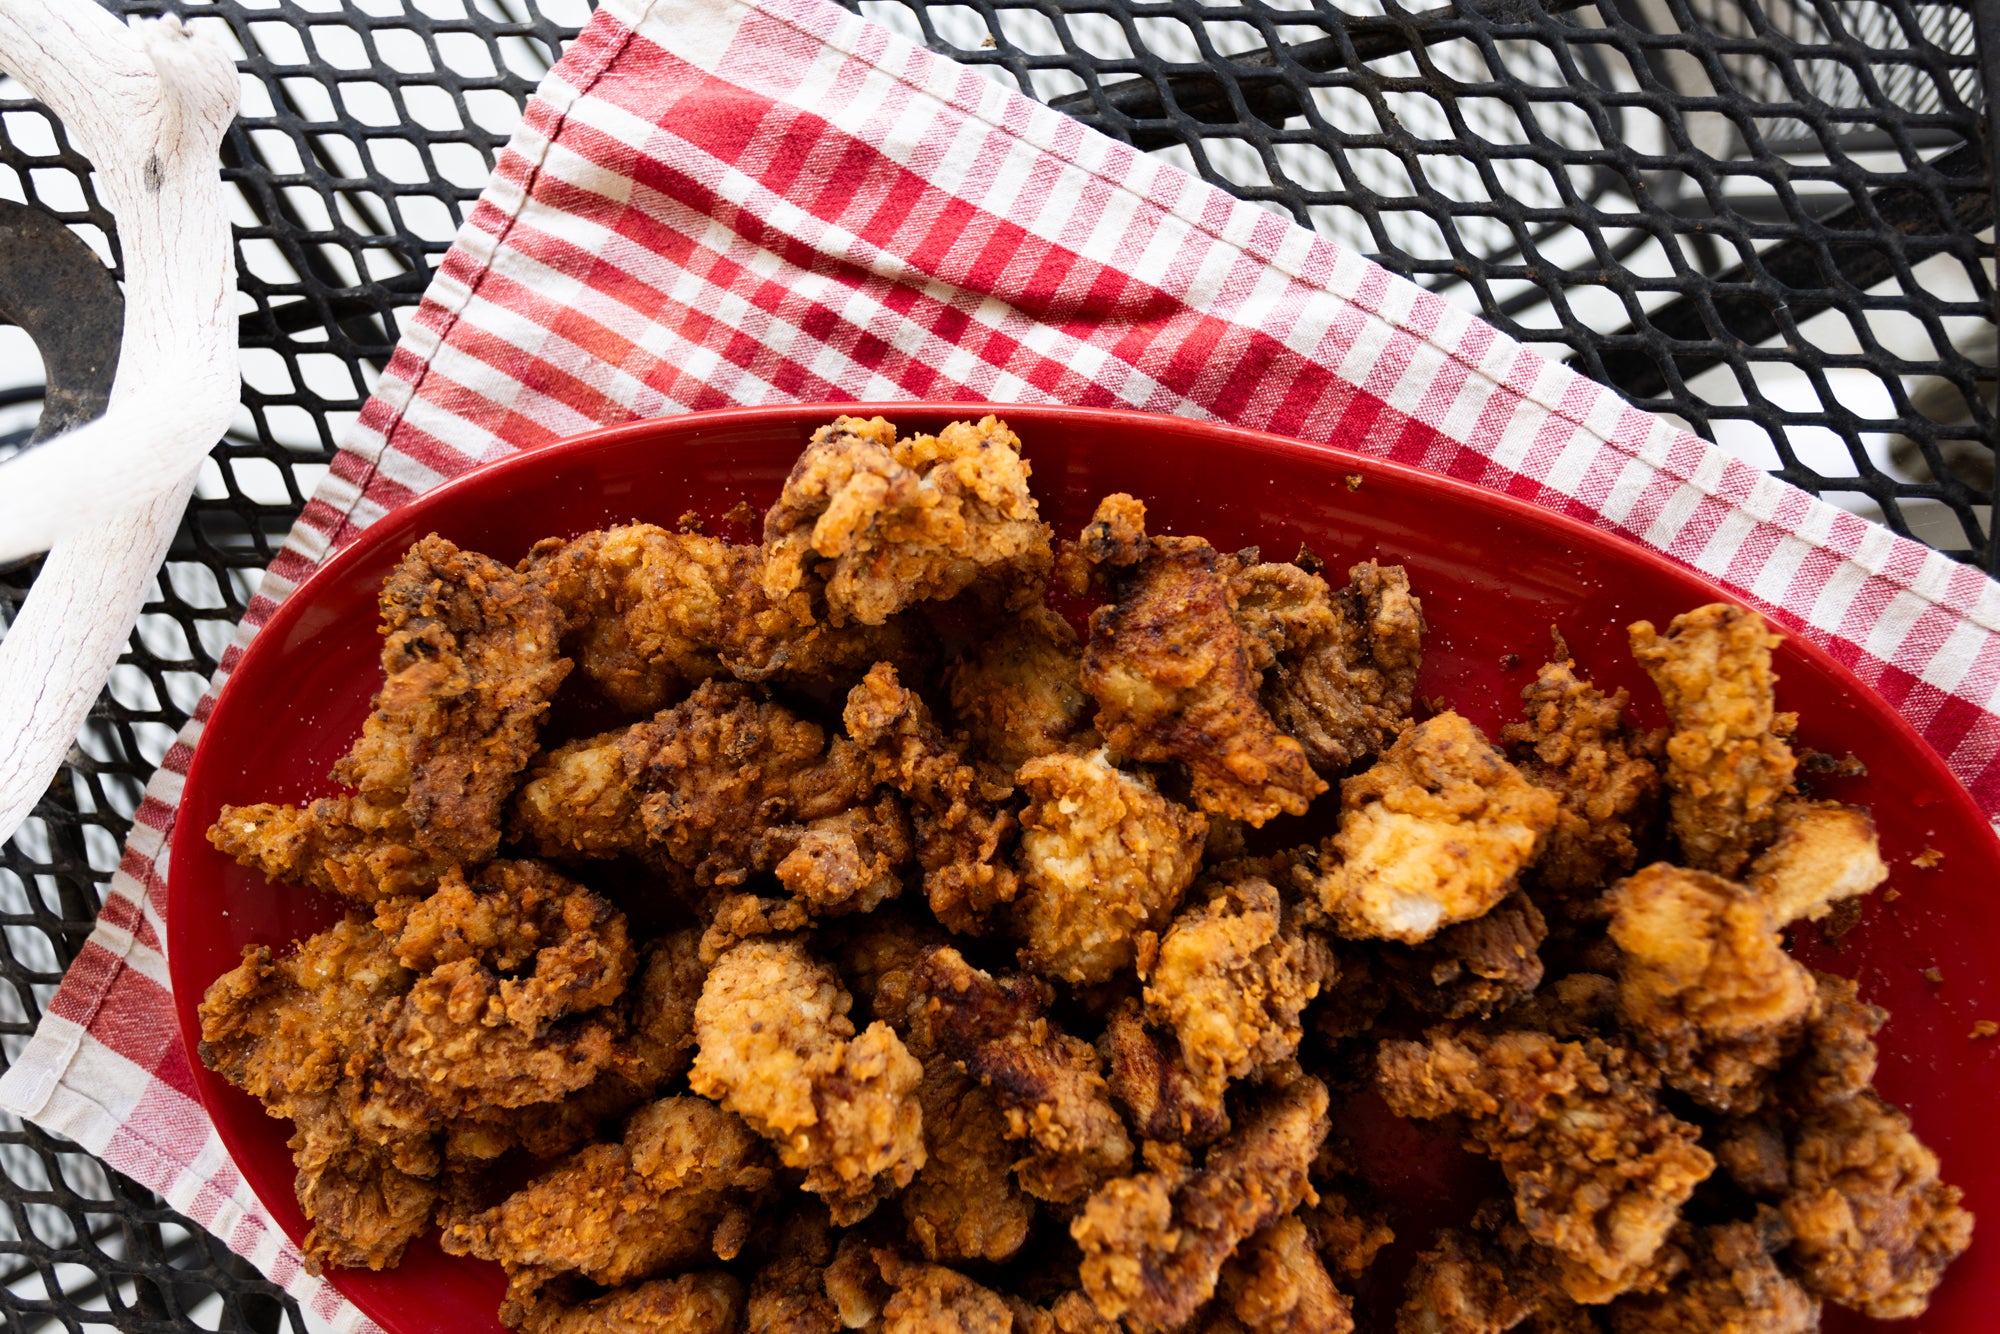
pixel 1276 1284
pixel 660 1007
pixel 1172 676
pixel 1598 1168
pixel 1575 742
pixel 1347 1236
pixel 1154 1244
pixel 699 1303
pixel 1148 1074
pixel 1462 1284
pixel 1752 1150
pixel 930 1299
pixel 685 1174
pixel 873 524
pixel 1728 763
pixel 1046 1082
pixel 650 614
pixel 853 1282
pixel 848 862
pixel 1103 858
pixel 1837 1059
pixel 1873 1227
pixel 1705 985
pixel 1340 668
pixel 704 785
pixel 1824 852
pixel 963 831
pixel 1018 693
pixel 1232 976
pixel 1476 967
pixel 1069 1313
pixel 964 1204
pixel 343 845
pixel 1732 1286
pixel 788 1295
pixel 776 1047
pixel 1433 834
pixel 878 954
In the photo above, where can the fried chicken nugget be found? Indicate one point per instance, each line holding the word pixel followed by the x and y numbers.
pixel 1728 765
pixel 1873 1226
pixel 788 1293
pixel 699 1303
pixel 1463 1284
pixel 650 614
pixel 1018 693
pixel 1574 741
pixel 1434 833
pixel 1599 1169
pixel 1824 852
pixel 1103 858
pixel 1046 1082
pixel 1705 985
pixel 775 1046
pixel 1154 1244
pixel 964 1204
pixel 873 524
pixel 1232 977
pixel 1732 1286
pixel 1837 1059
pixel 1171 672
pixel 1149 1075
pixel 963 830
pixel 1474 968
pixel 1276 1284
pixel 930 1299
pixel 1340 669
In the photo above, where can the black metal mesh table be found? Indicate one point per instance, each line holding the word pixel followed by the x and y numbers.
pixel 1769 218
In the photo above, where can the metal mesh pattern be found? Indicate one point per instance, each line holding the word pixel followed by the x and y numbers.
pixel 1772 220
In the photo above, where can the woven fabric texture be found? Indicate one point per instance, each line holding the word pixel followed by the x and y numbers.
pixel 717 202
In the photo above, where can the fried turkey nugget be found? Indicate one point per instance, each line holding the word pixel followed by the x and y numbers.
pixel 1276 1284
pixel 1704 984
pixel 1103 858
pixel 1018 693
pixel 931 1299
pixel 470 659
pixel 872 524
pixel 1154 1244
pixel 682 1180
pixel 1340 668
pixel 1170 670
pixel 1150 1078
pixel 1824 852
pixel 1231 978
pixel 775 1046
pixel 1046 1082
pixel 1434 833
pixel 1873 1226
pixel 788 1292
pixel 1478 967
pixel 964 830
pixel 1599 1170
pixel 649 614
pixel 1732 1286
pixel 1728 761
pixel 1574 741
pixel 964 1204
pixel 707 1302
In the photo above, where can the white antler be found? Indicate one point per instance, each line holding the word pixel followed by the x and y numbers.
pixel 147 104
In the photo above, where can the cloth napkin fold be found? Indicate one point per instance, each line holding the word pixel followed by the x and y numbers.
pixel 717 202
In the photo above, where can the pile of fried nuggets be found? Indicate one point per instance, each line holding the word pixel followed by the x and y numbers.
pixel 974 956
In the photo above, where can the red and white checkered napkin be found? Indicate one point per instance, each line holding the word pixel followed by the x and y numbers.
pixel 717 202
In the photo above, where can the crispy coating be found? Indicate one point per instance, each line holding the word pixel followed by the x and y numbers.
pixel 1103 858
pixel 963 830
pixel 964 1204
pixel 661 1005
pixel 1347 1236
pixel 1340 668
pixel 1704 983
pixel 1433 834
pixel 1462 1284
pixel 1476 967
pixel 1171 673
pixel 1154 1244
pixel 1728 767
pixel 1837 1059
pixel 348 846
pixel 1732 1286
pixel 776 1047
pixel 930 1299
pixel 1573 740
pixel 1018 693
pixel 872 524
pixel 1824 852
pixel 617 1213
pixel 1276 1284
pixel 1598 1168
pixel 649 614
pixel 788 1294
pixel 1873 1227
pixel 1232 977
pixel 1149 1076
pixel 1046 1082
pixel 850 862
pixel 879 956
pixel 699 1303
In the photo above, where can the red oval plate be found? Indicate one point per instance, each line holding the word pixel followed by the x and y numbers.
pixel 1494 573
